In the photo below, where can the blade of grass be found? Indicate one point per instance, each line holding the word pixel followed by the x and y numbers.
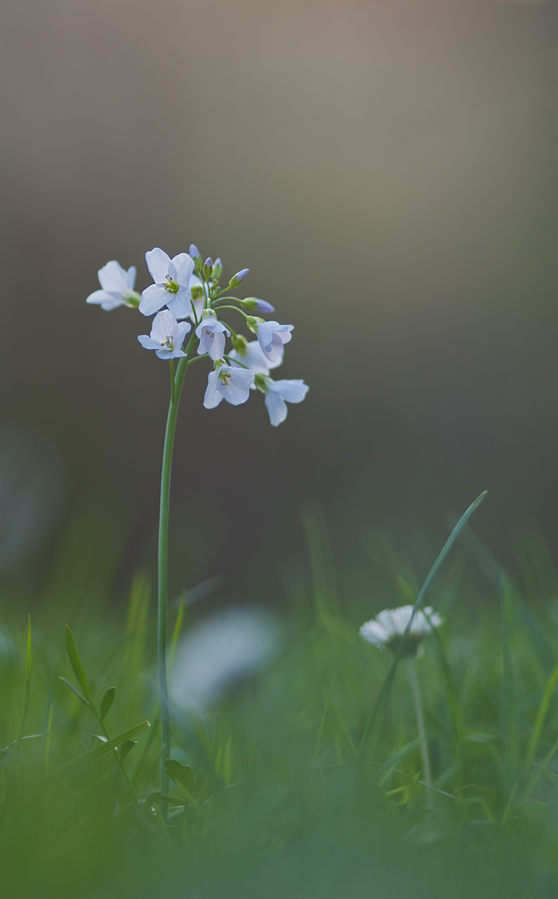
pixel 509 714
pixel 372 730
pixel 542 712
pixel 26 697
pixel 176 632
pixel 320 555
pixel 449 681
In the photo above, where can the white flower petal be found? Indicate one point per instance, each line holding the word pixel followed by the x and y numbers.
pixel 153 298
pixel 131 277
pixel 167 353
pixel 184 266
pixel 237 390
pixel 392 623
pixel 148 342
pixel 276 407
pixel 373 632
pixel 216 346
pixel 182 329
pixel 104 296
pixel 179 303
pixel 291 391
pixel 158 264
pixel 212 396
pixel 112 277
pixel 163 327
pixel 197 306
pixel 255 359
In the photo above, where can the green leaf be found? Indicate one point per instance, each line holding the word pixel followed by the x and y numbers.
pixel 74 690
pixel 107 701
pixel 126 747
pixel 76 664
pixel 180 774
pixel 96 752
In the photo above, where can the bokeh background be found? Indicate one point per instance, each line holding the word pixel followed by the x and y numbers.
pixel 387 169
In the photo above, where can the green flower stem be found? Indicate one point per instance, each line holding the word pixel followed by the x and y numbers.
pixel 415 692
pixel 234 309
pixel 177 380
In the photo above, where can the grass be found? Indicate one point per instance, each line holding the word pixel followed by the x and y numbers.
pixel 269 795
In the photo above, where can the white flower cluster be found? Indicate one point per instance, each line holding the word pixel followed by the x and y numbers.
pixel 388 627
pixel 190 288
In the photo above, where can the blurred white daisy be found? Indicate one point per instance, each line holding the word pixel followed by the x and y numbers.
pixel 219 653
pixel 387 628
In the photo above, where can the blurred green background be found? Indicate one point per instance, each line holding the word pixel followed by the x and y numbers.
pixel 387 170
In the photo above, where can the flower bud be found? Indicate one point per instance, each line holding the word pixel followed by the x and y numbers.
pixel 254 305
pixel 208 267
pixel 217 269
pixel 194 252
pixel 238 278
pixel 197 292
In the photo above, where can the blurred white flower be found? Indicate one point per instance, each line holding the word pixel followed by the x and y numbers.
pixel 118 287
pixel 167 336
pixel 219 653
pixel 387 628
pixel 172 283
pixel 252 356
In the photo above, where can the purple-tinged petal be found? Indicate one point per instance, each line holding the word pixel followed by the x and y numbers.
pixel 276 407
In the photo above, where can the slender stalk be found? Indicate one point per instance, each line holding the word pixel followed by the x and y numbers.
pixel 415 692
pixel 177 379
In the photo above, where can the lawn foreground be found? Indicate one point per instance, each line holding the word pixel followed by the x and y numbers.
pixel 269 793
